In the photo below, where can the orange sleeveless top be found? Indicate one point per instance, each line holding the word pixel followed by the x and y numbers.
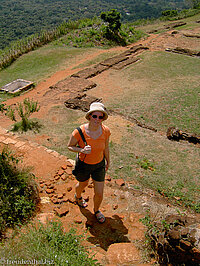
pixel 97 145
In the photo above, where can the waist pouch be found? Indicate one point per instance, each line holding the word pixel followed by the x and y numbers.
pixel 79 167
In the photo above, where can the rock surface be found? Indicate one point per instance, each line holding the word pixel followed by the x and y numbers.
pixel 178 241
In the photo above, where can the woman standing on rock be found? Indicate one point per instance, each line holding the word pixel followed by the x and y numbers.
pixel 93 160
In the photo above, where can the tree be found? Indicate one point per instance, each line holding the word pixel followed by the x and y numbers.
pixel 113 18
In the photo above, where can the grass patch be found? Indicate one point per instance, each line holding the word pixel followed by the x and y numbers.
pixel 162 91
pixel 167 167
pixel 41 63
pixel 4 96
pixel 32 124
pixel 46 244
pixel 58 125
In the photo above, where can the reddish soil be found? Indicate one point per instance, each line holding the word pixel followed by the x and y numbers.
pixel 120 241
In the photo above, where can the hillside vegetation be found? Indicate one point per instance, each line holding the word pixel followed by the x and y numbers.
pixel 106 30
pixel 80 33
pixel 21 18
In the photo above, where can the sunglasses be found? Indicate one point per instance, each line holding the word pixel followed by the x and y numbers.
pixel 96 116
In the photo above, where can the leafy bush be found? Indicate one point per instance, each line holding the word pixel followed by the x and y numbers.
pixel 185 13
pixel 73 25
pixel 2 107
pixel 18 192
pixel 170 13
pixel 24 111
pixel 146 164
pixel 130 33
pixel 89 22
pixel 195 4
pixel 48 243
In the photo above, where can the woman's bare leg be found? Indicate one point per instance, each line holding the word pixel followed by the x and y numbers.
pixel 80 186
pixel 98 194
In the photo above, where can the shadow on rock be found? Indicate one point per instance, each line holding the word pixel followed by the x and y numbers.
pixel 110 232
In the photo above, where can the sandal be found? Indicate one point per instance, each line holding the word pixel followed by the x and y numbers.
pixel 80 202
pixel 100 217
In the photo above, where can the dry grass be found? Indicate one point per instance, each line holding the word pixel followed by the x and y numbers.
pixel 174 170
pixel 161 90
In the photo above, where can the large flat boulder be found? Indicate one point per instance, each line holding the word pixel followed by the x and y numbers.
pixel 73 84
pixel 81 102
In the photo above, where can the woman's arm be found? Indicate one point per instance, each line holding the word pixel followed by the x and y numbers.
pixel 72 146
pixel 107 154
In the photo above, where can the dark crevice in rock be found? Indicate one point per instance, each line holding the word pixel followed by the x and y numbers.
pixel 176 134
pixel 90 72
pixel 176 240
pixel 81 102
pixel 134 120
pixel 184 51
pixel 175 25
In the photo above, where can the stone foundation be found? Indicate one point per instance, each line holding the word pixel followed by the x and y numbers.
pixel 177 240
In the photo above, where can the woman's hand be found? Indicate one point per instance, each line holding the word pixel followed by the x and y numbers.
pixel 86 149
pixel 107 166
pixel 72 146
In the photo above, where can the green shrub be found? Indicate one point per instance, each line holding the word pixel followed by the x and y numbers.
pixel 146 164
pixel 18 192
pixel 170 13
pixel 185 13
pixel 24 111
pixel 2 107
pixel 48 243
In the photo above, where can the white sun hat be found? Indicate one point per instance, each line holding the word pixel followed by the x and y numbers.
pixel 97 107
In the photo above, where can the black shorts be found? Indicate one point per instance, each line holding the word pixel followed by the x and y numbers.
pixel 83 171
